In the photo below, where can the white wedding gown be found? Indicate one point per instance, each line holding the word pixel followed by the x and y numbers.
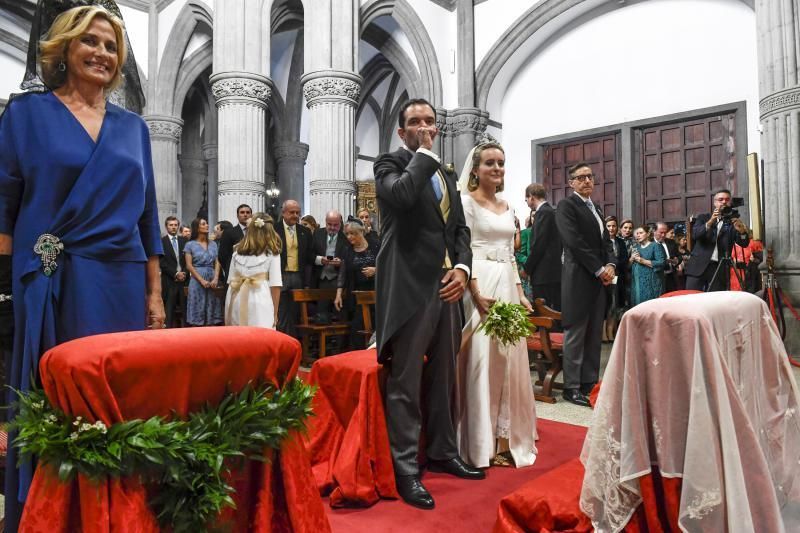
pixel 494 393
pixel 251 304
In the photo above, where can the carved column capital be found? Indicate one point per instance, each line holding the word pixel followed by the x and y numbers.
pixel 780 102
pixel 467 120
pixel 333 186
pixel 240 87
pixel 291 150
pixel 210 151
pixel 336 86
pixel 164 127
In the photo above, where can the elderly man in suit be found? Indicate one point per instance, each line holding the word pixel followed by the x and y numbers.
pixel 422 271
pixel 297 260
pixel 714 237
pixel 544 258
pixel 231 237
pixel 588 268
pixel 173 270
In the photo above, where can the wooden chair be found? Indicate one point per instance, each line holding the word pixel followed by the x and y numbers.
pixel 307 329
pixel 545 349
pixel 365 299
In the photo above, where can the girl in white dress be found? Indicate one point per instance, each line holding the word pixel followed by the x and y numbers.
pixel 254 281
pixel 495 407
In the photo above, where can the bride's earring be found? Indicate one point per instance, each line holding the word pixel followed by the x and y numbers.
pixel 473 179
pixel 62 67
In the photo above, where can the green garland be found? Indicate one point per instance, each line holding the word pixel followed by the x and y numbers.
pixel 187 460
pixel 507 323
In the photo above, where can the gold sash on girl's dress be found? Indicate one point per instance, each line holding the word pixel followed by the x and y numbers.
pixel 244 284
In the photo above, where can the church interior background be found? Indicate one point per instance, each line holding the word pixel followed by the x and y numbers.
pixel 257 101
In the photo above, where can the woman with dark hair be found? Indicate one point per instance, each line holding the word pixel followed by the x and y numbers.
pixel 79 231
pixel 203 307
pixel 309 222
pixel 357 273
pixel 618 291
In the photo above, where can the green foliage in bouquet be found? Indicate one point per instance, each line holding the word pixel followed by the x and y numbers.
pixel 507 323
pixel 187 461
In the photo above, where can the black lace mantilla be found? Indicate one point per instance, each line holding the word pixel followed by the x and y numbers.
pixel 128 95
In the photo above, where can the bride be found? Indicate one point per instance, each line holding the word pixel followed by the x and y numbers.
pixel 495 409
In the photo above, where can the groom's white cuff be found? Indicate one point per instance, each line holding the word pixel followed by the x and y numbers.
pixel 427 152
pixel 465 268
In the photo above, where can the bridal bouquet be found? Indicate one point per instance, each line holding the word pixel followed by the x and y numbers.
pixel 507 323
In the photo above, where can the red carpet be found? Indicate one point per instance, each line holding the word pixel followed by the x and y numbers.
pixel 462 505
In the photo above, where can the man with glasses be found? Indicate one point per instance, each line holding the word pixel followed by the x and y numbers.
pixel 587 270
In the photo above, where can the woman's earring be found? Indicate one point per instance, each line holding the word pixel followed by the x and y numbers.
pixel 62 67
pixel 473 179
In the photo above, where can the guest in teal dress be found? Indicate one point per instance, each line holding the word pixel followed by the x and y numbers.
pixel 522 255
pixel 203 306
pixel 647 266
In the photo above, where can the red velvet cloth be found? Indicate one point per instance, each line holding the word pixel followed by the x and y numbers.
pixel 550 503
pixel 123 376
pixel 348 441
pixel 679 293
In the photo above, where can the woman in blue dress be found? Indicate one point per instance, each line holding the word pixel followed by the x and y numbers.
pixel 647 267
pixel 203 307
pixel 78 212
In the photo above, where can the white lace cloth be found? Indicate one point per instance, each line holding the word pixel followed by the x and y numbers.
pixel 701 387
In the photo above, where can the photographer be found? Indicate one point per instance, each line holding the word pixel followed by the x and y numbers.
pixel 714 236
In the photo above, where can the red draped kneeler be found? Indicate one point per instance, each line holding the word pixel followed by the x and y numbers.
pixel 348 441
pixel 550 503
pixel 124 376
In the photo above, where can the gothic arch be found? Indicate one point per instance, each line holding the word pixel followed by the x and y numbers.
pixel 516 44
pixel 430 77
pixel 192 14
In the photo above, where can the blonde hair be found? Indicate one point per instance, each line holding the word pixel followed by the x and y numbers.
pixel 260 237
pixel 68 26
pixel 472 184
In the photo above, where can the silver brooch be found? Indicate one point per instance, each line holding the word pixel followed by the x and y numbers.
pixel 48 247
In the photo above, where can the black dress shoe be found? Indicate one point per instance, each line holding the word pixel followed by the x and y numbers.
pixel 456 467
pixel 577 397
pixel 586 388
pixel 413 492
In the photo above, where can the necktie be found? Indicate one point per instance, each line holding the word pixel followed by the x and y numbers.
pixel 291 233
pixel 330 238
pixel 590 205
pixel 437 188
pixel 175 245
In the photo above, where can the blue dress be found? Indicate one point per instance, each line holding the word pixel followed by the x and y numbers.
pixel 203 308
pixel 98 199
pixel 648 283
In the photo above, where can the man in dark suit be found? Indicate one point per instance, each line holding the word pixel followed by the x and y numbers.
pixel 589 268
pixel 231 237
pixel 173 270
pixel 297 259
pixel 713 237
pixel 673 256
pixel 544 258
pixel 422 271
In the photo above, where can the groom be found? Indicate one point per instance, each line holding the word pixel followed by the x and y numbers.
pixel 422 270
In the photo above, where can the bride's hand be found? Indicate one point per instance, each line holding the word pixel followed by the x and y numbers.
pixel 524 301
pixel 482 303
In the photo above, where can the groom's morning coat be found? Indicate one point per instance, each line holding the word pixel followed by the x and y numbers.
pixel 415 236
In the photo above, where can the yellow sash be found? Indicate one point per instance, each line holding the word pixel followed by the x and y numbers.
pixel 244 284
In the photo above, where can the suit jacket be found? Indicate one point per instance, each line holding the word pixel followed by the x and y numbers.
pixel 705 240
pixel 544 258
pixel 168 263
pixel 305 250
pixel 320 248
pixel 229 238
pixel 586 251
pixel 621 264
pixel 414 237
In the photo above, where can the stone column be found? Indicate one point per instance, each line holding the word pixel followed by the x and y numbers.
pixel 778 57
pixel 467 125
pixel 241 99
pixel 193 174
pixel 331 97
pixel 210 157
pixel 291 158
pixel 165 133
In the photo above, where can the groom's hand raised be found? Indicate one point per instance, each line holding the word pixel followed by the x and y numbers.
pixel 453 284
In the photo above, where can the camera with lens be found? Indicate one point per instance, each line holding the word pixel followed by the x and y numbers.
pixel 729 212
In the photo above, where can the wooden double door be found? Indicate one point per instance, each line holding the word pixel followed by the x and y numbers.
pixel 677 166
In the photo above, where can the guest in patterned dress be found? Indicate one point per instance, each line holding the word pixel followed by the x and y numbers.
pixel 356 274
pixel 203 307
pixel 647 265
pixel 522 255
